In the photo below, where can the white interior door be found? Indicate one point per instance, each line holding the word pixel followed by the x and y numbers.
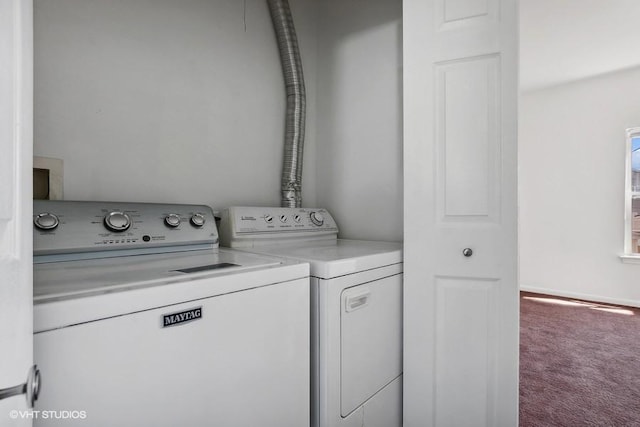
pixel 460 145
pixel 16 127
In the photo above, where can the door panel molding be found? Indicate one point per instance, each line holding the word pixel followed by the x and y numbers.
pixel 456 14
pixel 9 90
pixel 459 10
pixel 466 326
pixel 468 138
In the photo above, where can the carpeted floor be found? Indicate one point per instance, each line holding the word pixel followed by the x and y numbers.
pixel 579 363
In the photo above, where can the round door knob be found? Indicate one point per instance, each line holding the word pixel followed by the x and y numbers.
pixel 117 221
pixel 197 220
pixel 33 385
pixel 46 221
pixel 172 220
pixel 317 218
pixel 467 252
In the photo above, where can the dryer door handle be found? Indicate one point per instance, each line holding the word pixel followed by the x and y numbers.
pixel 357 300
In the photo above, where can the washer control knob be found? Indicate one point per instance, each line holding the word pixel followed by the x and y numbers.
pixel 197 220
pixel 317 218
pixel 46 221
pixel 172 220
pixel 283 218
pixel 268 219
pixel 117 221
pixel 297 218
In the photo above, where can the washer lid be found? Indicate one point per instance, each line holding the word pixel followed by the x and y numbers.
pixel 329 259
pixel 72 279
pixel 75 292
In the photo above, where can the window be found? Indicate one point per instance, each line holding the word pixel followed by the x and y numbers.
pixel 632 194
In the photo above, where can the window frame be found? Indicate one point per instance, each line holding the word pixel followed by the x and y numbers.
pixel 629 254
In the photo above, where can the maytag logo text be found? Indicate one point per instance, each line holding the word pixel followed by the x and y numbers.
pixel 181 317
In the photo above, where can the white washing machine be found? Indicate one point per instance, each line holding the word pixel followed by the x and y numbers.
pixel 356 308
pixel 140 320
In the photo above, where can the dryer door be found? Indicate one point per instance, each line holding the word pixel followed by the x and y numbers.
pixel 371 339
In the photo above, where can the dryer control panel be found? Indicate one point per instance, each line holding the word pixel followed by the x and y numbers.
pixel 244 226
pixel 68 227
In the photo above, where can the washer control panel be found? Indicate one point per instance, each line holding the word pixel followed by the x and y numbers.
pixel 248 226
pixel 77 227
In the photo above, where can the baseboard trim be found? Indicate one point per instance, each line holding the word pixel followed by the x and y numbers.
pixel 577 295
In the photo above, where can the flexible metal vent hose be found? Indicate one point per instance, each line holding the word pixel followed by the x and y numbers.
pixel 296 102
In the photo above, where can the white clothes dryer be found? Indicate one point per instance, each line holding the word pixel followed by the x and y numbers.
pixel 140 320
pixel 356 310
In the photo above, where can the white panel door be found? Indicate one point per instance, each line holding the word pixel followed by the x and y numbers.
pixel 460 154
pixel 16 107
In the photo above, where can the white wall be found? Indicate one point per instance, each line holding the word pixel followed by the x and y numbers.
pixel 572 152
pixel 165 100
pixel 359 140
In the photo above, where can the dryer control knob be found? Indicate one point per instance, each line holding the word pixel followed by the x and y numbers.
pixel 46 221
pixel 117 221
pixel 317 218
pixel 172 220
pixel 197 220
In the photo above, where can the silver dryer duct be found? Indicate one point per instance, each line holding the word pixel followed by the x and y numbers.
pixel 291 186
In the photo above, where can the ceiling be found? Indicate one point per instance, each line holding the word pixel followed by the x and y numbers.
pixel 568 40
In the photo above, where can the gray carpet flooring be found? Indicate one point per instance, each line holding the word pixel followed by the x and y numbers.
pixel 579 363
